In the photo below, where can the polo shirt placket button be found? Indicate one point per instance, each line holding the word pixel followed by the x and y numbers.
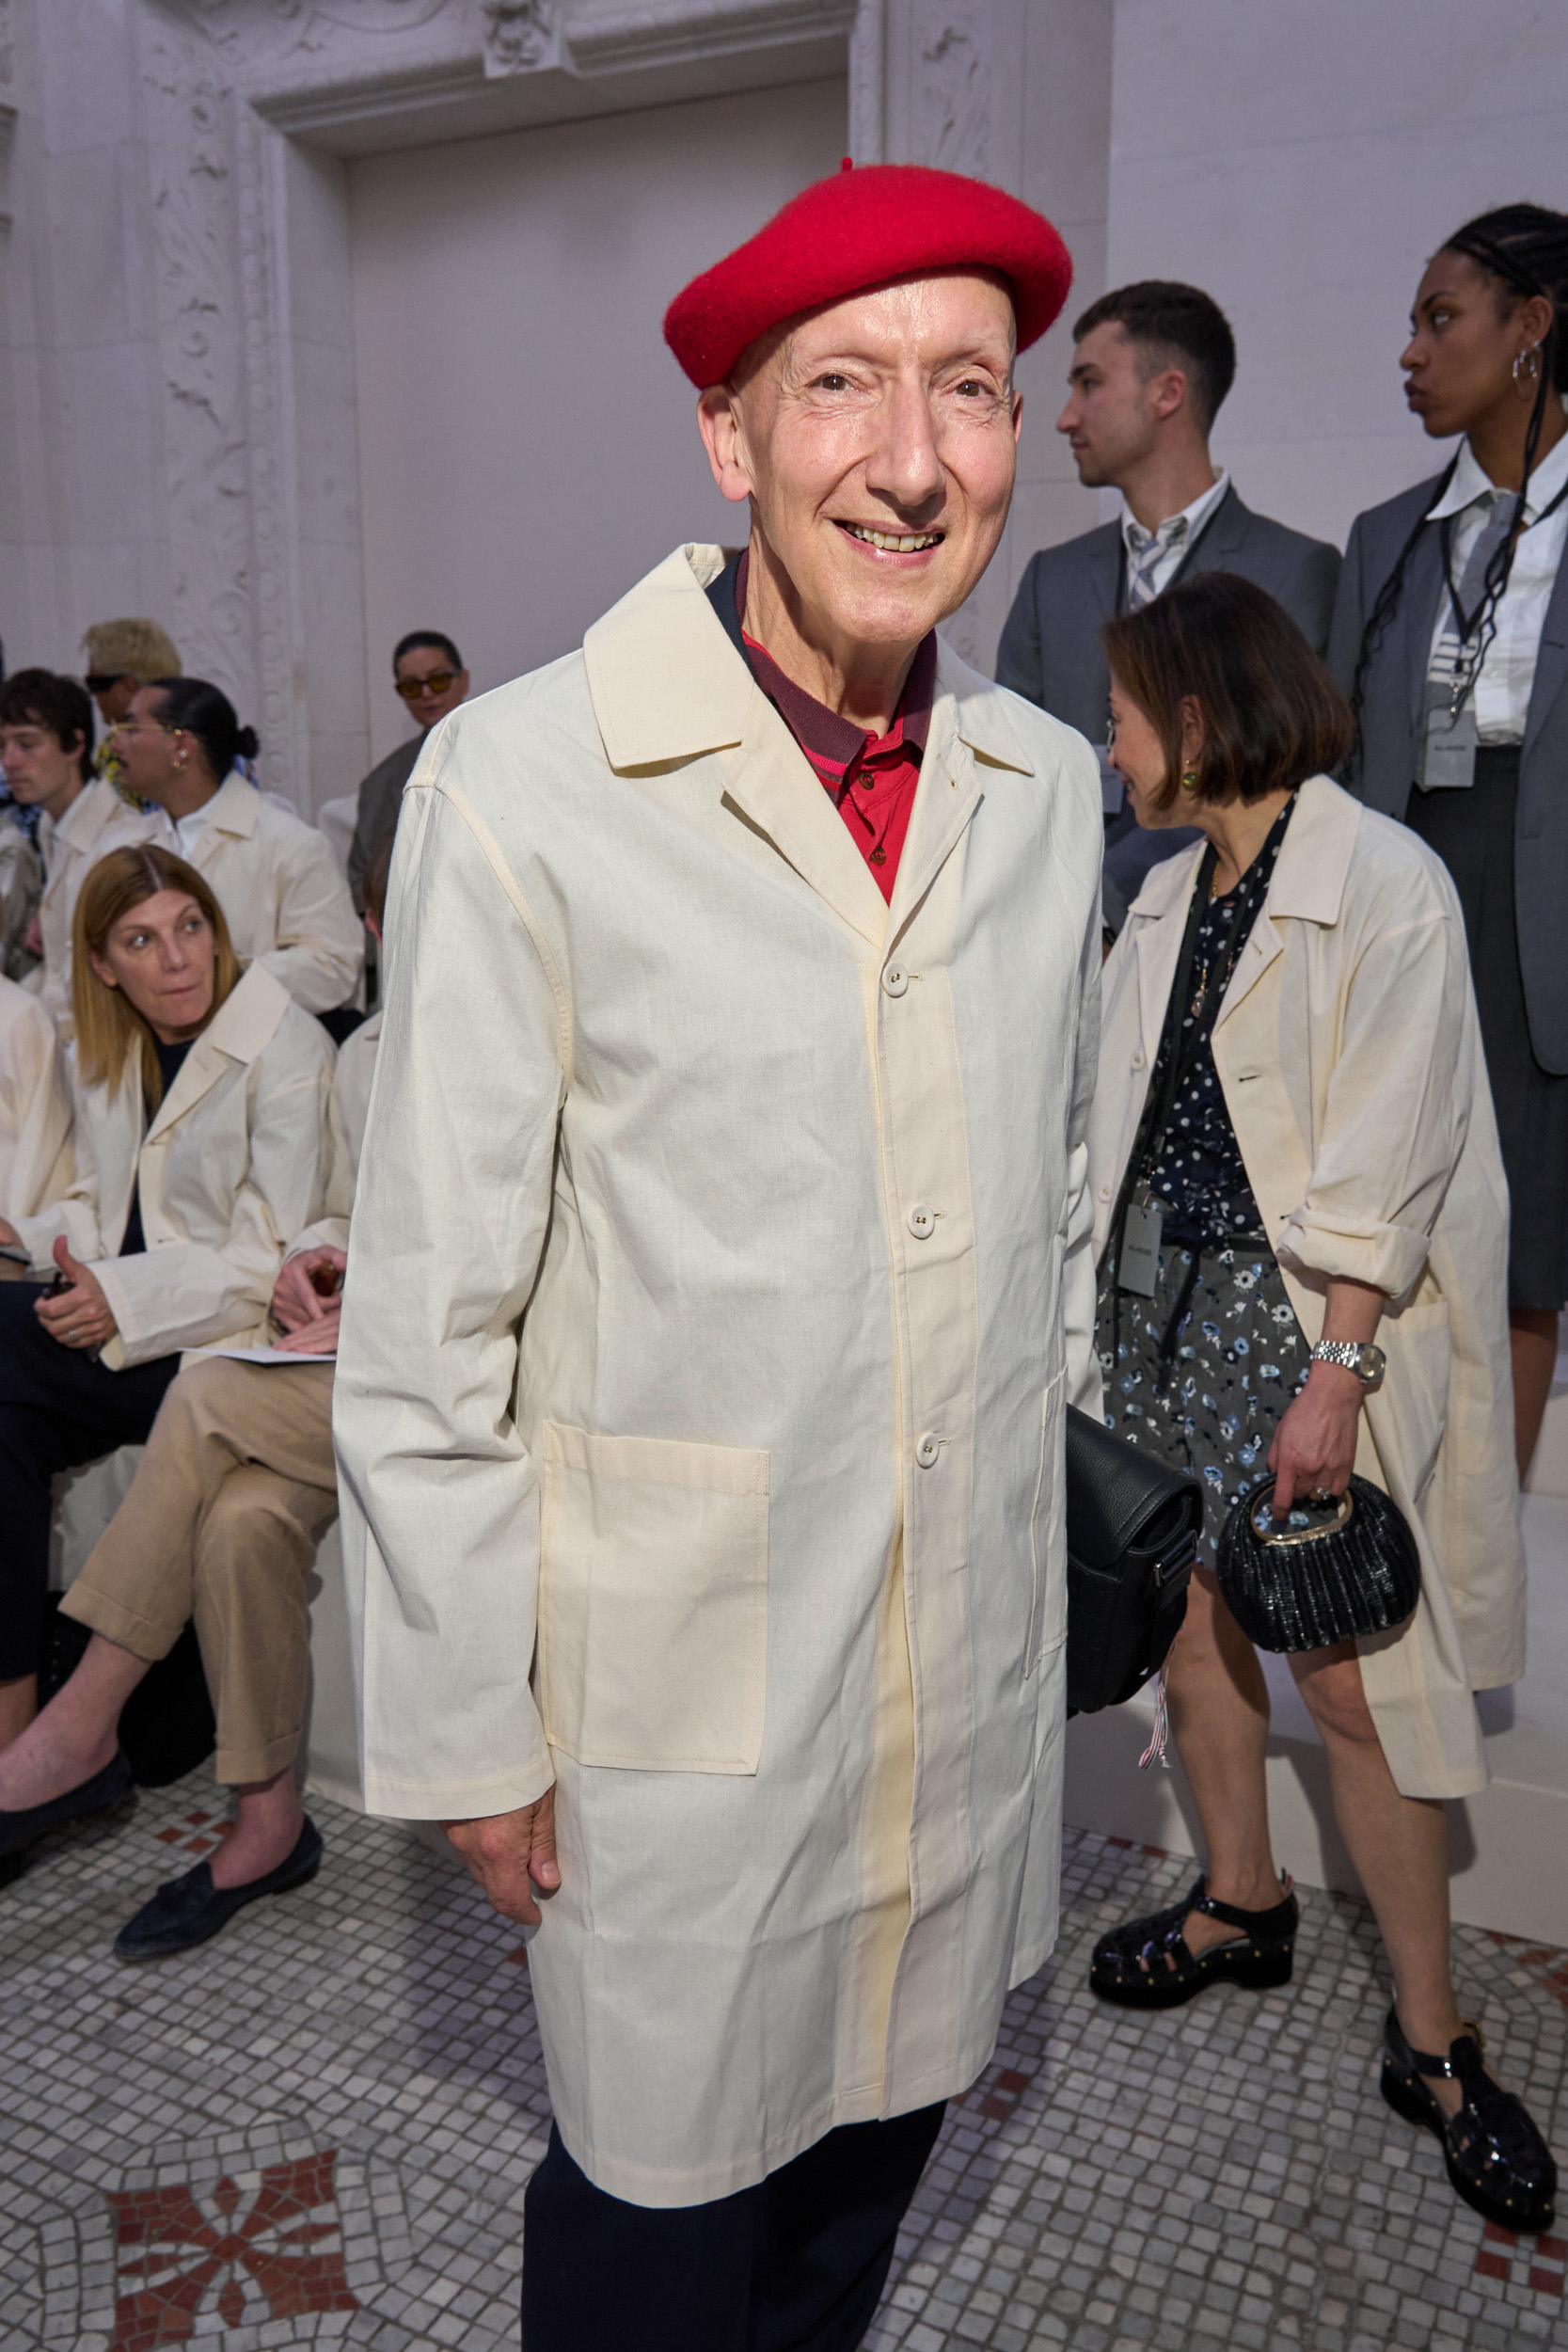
pixel 921 1221
pixel 896 980
pixel 927 1451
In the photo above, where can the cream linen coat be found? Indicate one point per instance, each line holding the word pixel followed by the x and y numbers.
pixel 97 821
pixel 235 1160
pixel 286 904
pixel 1349 1058
pixel 720 1272
pixel 35 1106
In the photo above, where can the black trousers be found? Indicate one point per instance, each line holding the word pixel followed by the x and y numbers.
pixel 795 2265
pixel 57 1408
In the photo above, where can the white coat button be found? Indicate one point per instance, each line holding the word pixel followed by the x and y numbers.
pixel 896 980
pixel 1137 1061
pixel 928 1450
pixel 1105 1192
pixel 921 1221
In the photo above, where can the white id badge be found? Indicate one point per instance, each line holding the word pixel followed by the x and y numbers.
pixel 1138 1259
pixel 1448 753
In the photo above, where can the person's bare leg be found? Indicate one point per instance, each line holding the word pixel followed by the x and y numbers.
pixel 1219 1718
pixel 1400 1851
pixel 76 1734
pixel 1532 1342
pixel 267 1830
pixel 19 1703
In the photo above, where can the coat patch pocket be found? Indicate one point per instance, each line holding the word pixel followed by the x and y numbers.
pixel 653 1601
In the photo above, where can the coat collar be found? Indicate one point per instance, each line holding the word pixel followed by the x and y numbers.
pixel 668 686
pixel 1307 886
pixel 243 1025
pixel 235 807
pixel 86 816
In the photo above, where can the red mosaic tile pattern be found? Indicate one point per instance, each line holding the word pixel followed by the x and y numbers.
pixel 1540 2263
pixel 996 2093
pixel 172 2254
pixel 198 1834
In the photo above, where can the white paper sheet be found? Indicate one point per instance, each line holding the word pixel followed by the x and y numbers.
pixel 268 1355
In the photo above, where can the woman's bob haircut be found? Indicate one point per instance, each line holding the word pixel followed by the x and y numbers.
pixel 109 1029
pixel 1271 714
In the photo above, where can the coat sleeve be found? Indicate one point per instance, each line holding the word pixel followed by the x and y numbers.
pixel 1308 593
pixel 440 1498
pixel 34 1104
pixel 1018 656
pixel 320 941
pixel 1396 1111
pixel 185 1293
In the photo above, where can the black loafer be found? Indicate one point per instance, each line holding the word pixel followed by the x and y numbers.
pixel 1497 2159
pixel 1150 1964
pixel 90 1796
pixel 191 1911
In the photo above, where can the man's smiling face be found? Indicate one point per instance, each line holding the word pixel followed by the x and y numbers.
pixel 878 442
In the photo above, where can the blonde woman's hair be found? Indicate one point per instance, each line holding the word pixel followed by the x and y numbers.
pixel 109 1029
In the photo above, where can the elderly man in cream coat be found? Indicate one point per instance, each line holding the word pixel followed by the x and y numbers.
pixel 720 1279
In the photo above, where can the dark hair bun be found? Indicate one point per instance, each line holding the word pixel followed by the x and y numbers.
pixel 246 743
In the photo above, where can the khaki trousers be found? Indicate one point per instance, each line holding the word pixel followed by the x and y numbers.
pixel 234 1492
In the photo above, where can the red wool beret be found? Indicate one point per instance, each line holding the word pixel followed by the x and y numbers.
pixel 858 229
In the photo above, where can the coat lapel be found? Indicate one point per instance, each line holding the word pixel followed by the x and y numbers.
pixel 1105 570
pixel 1415 620
pixel 770 781
pixel 970 732
pixel 1166 890
pixel 1307 885
pixel 1551 662
pixel 1215 545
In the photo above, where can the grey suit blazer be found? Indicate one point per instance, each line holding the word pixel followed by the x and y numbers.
pixel 1050 648
pixel 380 798
pixel 1382 767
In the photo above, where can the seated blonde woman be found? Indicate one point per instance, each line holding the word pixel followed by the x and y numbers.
pixel 203 1140
pixel 235 1493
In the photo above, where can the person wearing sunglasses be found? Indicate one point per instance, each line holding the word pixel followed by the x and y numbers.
pixel 119 656
pixel 430 680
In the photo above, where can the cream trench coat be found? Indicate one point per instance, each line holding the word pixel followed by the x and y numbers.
pixel 1349 1058
pixel 235 1161
pixel 282 895
pixel 97 821
pixel 720 1273
pixel 35 1106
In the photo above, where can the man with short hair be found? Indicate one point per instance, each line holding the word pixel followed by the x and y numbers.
pixel 430 680
pixel 45 749
pixel 120 657
pixel 719 1281
pixel 1152 364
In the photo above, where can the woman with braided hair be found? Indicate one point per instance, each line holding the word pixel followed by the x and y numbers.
pixel 1451 636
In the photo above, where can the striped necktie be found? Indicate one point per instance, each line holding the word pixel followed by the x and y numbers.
pixel 1148 550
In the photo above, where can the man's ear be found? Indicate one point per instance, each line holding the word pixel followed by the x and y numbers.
pixel 1168 391
pixel 718 423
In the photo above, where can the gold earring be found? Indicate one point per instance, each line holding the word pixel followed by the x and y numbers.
pixel 180 759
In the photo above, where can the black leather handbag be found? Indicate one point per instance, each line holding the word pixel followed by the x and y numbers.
pixel 1133 1525
pixel 1326 1574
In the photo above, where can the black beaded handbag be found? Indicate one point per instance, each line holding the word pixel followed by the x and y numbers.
pixel 1326 1573
pixel 1133 1525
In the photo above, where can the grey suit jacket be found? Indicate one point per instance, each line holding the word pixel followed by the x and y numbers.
pixel 1050 650
pixel 380 798
pixel 1383 766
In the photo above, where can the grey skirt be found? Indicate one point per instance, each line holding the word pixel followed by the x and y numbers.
pixel 1201 1372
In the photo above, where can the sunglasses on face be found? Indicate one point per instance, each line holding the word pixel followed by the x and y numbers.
pixel 100 681
pixel 436 683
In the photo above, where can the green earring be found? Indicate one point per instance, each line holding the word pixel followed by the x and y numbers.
pixel 1189 779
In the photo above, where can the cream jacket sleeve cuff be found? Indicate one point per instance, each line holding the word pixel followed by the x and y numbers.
pixel 1390 1257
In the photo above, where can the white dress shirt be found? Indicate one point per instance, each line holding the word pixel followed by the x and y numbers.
pixel 1173 537
pixel 1503 691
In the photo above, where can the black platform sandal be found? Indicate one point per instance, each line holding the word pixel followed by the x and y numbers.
pixel 1497 2159
pixel 1260 1956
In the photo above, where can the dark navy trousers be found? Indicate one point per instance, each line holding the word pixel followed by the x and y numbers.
pixel 795 2265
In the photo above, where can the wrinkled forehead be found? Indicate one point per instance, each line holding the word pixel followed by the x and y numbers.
pixel 928 319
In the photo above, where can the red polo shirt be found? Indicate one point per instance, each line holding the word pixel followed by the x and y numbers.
pixel 872 777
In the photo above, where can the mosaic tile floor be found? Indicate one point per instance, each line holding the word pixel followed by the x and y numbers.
pixel 317 2130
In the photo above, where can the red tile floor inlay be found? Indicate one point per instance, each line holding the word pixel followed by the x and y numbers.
pixel 1536 2263
pixel 171 2253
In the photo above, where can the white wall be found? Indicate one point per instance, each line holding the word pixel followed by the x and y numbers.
pixel 1301 159
pixel 528 447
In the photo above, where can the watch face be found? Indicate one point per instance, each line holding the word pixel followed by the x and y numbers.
pixel 1372 1362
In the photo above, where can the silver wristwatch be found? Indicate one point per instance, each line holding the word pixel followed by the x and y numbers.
pixel 1358 1355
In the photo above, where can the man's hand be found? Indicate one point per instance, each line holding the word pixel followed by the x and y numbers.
pixel 307 1289
pixel 314 1339
pixel 79 1317
pixel 510 1854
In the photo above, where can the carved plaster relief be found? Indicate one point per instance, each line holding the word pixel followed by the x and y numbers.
pixel 952 112
pixel 523 37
